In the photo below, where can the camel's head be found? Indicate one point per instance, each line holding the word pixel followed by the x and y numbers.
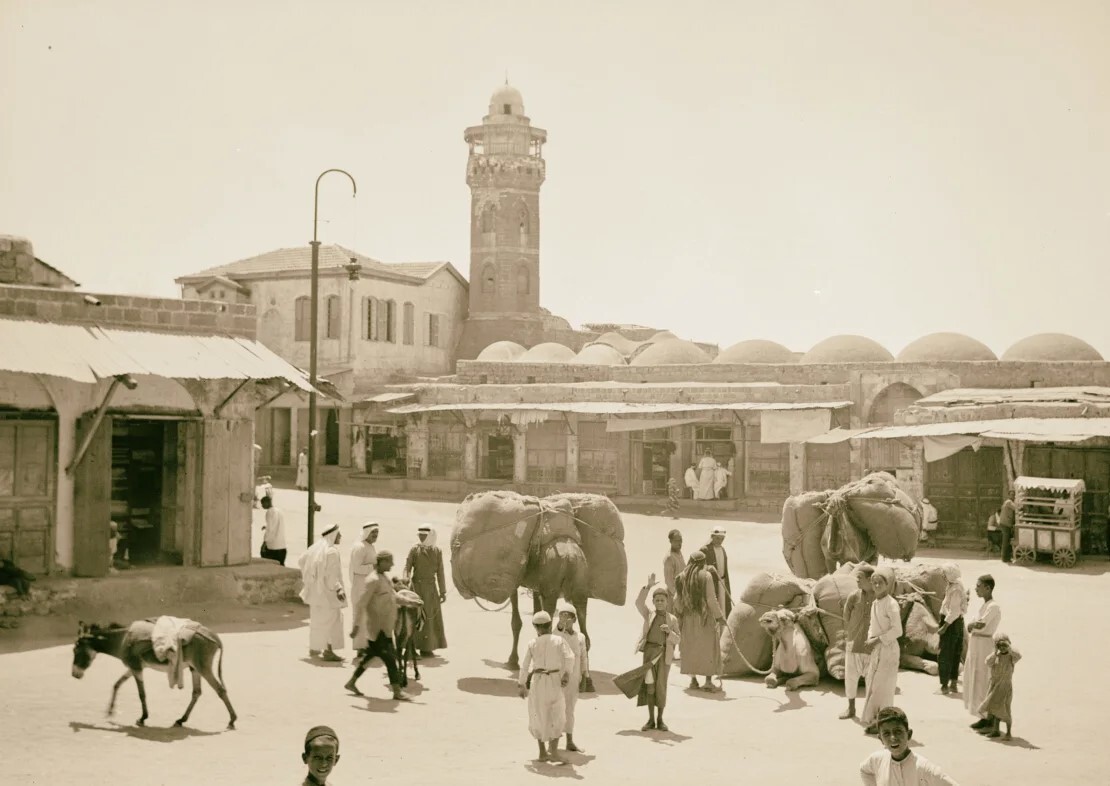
pixel 778 621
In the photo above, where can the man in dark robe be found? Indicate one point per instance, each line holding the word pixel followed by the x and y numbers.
pixel 424 568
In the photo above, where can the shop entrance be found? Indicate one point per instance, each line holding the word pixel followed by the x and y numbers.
pixel 385 451
pixel 498 458
pixel 965 488
pixel 651 461
pixel 27 493
pixel 138 463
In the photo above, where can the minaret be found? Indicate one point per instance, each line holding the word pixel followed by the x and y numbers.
pixel 505 171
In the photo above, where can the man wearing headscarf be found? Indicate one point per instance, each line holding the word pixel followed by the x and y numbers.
pixel 716 558
pixel 363 557
pixel 375 622
pixel 698 606
pixel 424 567
pixel 323 591
pixel 883 632
pixel 544 672
pixel 952 612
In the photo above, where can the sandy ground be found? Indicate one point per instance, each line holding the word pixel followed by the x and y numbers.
pixel 466 723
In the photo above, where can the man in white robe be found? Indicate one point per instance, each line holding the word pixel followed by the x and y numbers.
pixel 577 643
pixel 707 476
pixel 883 633
pixel 550 662
pixel 980 644
pixel 323 591
pixel 302 470
pixel 363 557
pixel 691 480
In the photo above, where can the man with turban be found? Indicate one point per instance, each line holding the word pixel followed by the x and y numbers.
pixel 716 558
pixel 544 672
pixel 699 601
pixel 363 557
pixel 883 632
pixel 323 591
pixel 424 567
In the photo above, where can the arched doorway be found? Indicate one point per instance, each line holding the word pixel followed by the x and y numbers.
pixel 331 439
pixel 885 455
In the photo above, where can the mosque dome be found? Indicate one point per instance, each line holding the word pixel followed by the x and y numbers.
pixel 756 351
pixel 670 352
pixel 506 95
pixel 599 355
pixel 847 349
pixel 945 346
pixel 1051 346
pixel 501 352
pixel 618 342
pixel 662 335
pixel 548 352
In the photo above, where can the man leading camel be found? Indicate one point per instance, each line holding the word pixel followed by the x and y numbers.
pixel 375 621
pixel 716 558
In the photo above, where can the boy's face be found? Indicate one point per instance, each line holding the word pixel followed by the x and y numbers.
pixel 676 542
pixel 1003 647
pixel 659 600
pixel 895 737
pixel 566 620
pixel 323 754
pixel 981 589
pixel 863 581
pixel 880 586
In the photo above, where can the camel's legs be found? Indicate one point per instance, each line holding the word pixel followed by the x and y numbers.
pixel 193 700
pixel 115 690
pixel 514 660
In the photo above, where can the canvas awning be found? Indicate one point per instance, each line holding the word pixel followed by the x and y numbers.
pixel 389 398
pixel 1015 429
pixel 836 436
pixel 89 354
pixel 618 407
pixel 1069 485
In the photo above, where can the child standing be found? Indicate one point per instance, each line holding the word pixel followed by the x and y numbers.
pixel 581 671
pixel 1000 694
pixel 321 754
pixel 896 763
pixel 857 618
pixel 952 612
pixel 883 633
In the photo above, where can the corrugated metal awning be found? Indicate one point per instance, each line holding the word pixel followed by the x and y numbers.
pixel 1015 429
pixel 89 354
pixel 389 398
pixel 836 436
pixel 618 407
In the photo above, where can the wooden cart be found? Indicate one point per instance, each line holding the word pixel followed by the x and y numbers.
pixel 1049 511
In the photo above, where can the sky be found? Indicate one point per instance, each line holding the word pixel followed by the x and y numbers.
pixel 725 170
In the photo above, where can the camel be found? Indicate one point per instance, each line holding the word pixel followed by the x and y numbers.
pixel 557 570
pixel 792 656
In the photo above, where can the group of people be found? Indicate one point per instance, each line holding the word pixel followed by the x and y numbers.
pixel 708 478
pixel 375 599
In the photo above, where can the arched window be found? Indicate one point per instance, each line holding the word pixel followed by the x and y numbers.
pixel 409 317
pixel 523 281
pixel 331 311
pixel 302 314
pixel 524 225
pixel 489 280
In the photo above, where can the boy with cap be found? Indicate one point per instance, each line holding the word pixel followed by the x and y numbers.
pixel 544 672
pixel 581 671
pixel 857 617
pixel 321 754
pixel 323 591
pixel 896 763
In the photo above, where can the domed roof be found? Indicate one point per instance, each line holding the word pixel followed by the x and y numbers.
pixel 506 94
pixel 945 346
pixel 847 349
pixel 618 342
pixel 662 335
pixel 670 352
pixel 1051 346
pixel 501 352
pixel 756 350
pixel 599 355
pixel 548 352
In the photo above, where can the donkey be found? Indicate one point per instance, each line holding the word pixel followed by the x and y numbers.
pixel 410 619
pixel 132 645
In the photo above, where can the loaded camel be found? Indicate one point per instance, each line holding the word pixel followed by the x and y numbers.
pixel 133 646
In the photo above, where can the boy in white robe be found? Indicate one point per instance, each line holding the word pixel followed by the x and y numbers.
pixel 322 577
pixel 549 661
pixel 883 633
pixel 896 764
pixel 577 643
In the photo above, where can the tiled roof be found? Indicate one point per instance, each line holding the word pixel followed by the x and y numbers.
pixel 287 260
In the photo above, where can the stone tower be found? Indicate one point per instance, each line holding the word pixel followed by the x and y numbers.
pixel 505 171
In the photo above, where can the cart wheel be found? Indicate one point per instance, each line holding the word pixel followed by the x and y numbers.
pixel 1024 555
pixel 1063 558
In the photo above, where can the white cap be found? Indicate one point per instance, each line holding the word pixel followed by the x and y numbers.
pixel 563 607
pixel 541 618
pixel 718 531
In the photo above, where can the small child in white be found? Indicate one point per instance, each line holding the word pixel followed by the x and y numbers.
pixel 896 763
pixel 1000 693
pixel 581 671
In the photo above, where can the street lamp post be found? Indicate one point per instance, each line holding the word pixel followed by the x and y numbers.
pixel 313 319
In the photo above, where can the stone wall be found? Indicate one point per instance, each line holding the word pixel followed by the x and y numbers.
pixel 704 394
pixel 17 260
pixel 126 311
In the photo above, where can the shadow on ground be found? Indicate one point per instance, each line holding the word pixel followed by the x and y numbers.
pixel 146 733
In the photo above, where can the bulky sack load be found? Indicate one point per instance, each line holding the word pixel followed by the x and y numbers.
pixel 743 635
pixel 829 594
pixel 490 541
pixel 602 538
pixel 556 522
pixel 871 516
pixel 928 579
pixel 768 591
pixel 803 524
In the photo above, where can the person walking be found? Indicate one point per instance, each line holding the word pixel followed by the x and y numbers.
pixel 857 619
pixel 363 557
pixel 302 470
pixel 1007 518
pixel 544 671
pixel 883 632
pixel 980 644
pixel 952 611
pixel 375 621
pixel 273 539
pixel 576 641
pixel 698 605
pixel 323 591
pixel 717 558
pixel 424 567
